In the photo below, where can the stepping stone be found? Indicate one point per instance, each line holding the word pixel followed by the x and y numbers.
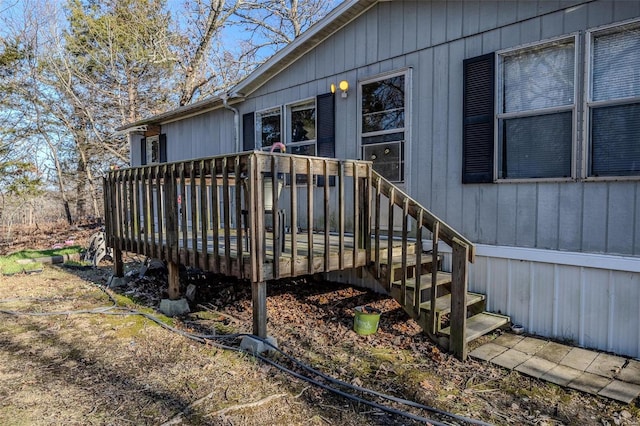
pixel 606 365
pixel 589 382
pixel 621 391
pixel 561 375
pixel 529 345
pixel 630 373
pixel 487 351
pixel 510 359
pixel 507 340
pixel 579 358
pixel 553 352
pixel 535 367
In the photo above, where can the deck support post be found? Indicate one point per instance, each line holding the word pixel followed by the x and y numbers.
pixel 459 284
pixel 259 299
pixel 118 264
pixel 173 280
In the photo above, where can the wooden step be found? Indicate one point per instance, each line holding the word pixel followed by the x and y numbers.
pixel 425 281
pixel 481 324
pixel 443 303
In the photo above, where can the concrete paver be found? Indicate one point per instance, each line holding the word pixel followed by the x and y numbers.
pixel 589 382
pixel 606 365
pixel 487 351
pixel 631 372
pixel 510 359
pixel 535 367
pixel 579 358
pixel 553 352
pixel 561 375
pixel 508 340
pixel 529 345
pixel 621 391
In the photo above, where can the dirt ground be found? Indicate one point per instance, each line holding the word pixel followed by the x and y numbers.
pixel 107 366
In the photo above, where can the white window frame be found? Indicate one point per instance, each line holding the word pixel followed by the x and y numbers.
pixel 288 124
pixel 408 113
pixel 500 115
pixel 589 104
pixel 258 125
pixel 151 142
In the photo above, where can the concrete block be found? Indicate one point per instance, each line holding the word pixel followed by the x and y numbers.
pixel 115 282
pixel 529 345
pixel 553 352
pixel 631 372
pixel 578 358
pixel 606 365
pixel 508 340
pixel 621 391
pixel 535 367
pixel 487 352
pixel 510 359
pixel 256 346
pixel 561 375
pixel 590 383
pixel 172 308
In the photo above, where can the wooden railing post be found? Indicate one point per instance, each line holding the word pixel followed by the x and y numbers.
pixel 171 214
pixel 459 283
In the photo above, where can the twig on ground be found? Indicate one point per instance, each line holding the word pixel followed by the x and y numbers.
pixel 214 311
pixel 177 419
pixel 247 405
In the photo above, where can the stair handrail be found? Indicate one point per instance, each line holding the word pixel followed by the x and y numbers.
pixel 447 233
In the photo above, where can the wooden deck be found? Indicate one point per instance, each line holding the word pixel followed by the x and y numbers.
pixel 234 215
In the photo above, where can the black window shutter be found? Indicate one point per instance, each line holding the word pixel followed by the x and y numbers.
pixel 326 132
pixel 248 132
pixel 163 148
pixel 143 151
pixel 478 119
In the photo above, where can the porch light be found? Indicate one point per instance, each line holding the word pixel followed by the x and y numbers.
pixel 344 86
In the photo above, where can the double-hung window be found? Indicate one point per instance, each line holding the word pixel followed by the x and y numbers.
pixel 613 102
pixel 153 151
pixel 383 127
pixel 269 127
pixel 536 111
pixel 301 128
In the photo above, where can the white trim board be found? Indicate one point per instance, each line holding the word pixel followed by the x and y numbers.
pixel 586 260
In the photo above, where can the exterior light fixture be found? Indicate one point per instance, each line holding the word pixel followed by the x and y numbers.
pixel 344 86
pixel 333 88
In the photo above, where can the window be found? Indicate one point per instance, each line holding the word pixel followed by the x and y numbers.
pixel 301 128
pixel 383 125
pixel 613 103
pixel 536 108
pixel 268 127
pixel 153 152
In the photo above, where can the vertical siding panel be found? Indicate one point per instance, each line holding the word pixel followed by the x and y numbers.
pixel 530 30
pixel 594 210
pixel 509 36
pixel 547 6
pixel 499 285
pixel 439 135
pixel 568 290
pixel 350 46
pixel 599 13
pixel 394 21
pixel 372 36
pixel 410 25
pixel 636 218
pixel 387 19
pixel 488 14
pixel 519 291
pixel 570 218
pixel 506 216
pixel 625 10
pixel 547 216
pixel 596 294
pixel 542 297
pixel 325 57
pixel 507 12
pixel 526 203
pixel 488 214
pixel 422 126
pixel 360 52
pixel 491 41
pixel 551 25
pixel 473 46
pixel 575 18
pixel 455 204
pixel 339 53
pixel 438 22
pixel 526 10
pixel 423 33
pixel 621 218
pixel 470 17
pixel 626 298
pixel 454 20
